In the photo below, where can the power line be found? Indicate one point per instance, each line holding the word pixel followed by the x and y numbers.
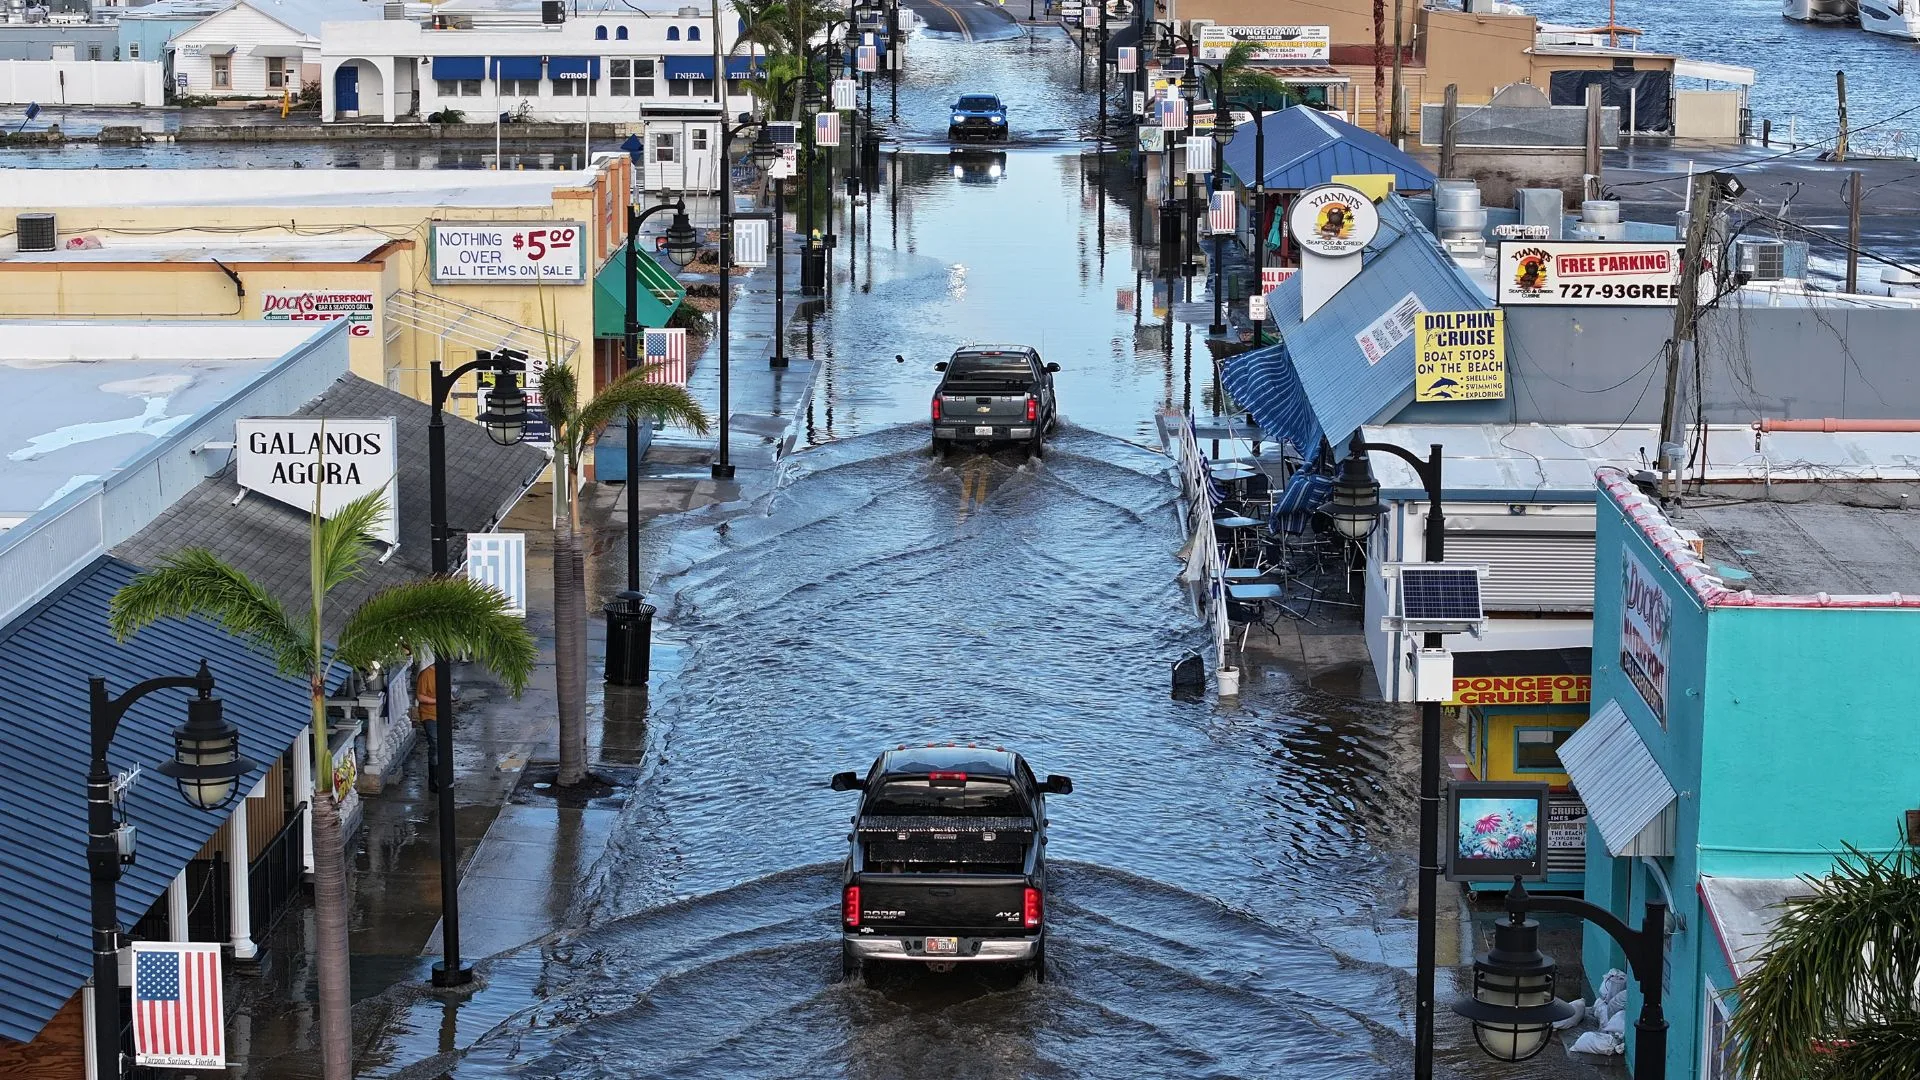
pixel 1771 157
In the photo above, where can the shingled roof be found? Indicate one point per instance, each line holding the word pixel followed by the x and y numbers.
pixel 267 540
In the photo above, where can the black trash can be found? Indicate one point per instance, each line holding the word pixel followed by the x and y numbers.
pixel 629 640
pixel 813 267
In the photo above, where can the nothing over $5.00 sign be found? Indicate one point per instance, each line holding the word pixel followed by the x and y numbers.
pixel 509 253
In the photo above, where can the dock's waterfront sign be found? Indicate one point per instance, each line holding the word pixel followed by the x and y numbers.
pixel 509 253
pixel 1590 273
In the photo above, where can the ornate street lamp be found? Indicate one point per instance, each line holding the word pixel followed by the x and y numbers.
pixel 683 243
pixel 764 152
pixel 1355 503
pixel 206 756
pixel 505 417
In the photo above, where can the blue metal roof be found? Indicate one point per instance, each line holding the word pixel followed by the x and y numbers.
pixel 1317 382
pixel 46 658
pixel 1306 147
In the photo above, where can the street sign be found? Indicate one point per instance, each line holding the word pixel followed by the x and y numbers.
pixel 1139 103
pixel 1152 139
pixel 1257 307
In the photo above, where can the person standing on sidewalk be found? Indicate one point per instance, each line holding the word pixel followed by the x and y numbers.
pixel 426 713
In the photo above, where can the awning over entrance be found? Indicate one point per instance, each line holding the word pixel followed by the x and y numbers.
pixel 1744 912
pixel 46 657
pixel 659 294
pixel 1628 797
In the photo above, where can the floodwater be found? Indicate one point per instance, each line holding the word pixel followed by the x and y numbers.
pixel 1795 62
pixel 1228 879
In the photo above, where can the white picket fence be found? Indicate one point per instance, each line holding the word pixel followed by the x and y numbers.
pixel 1203 553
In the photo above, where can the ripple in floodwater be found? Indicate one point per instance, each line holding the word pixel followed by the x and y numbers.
pixel 1204 867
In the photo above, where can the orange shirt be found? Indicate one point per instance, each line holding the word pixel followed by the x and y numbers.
pixel 425 704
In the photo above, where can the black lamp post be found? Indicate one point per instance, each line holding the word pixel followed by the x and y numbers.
pixel 1190 92
pixel 1355 509
pixel 1514 1008
pixel 1222 135
pixel 626 658
pixel 765 153
pixel 505 418
pixel 206 764
pixel 813 267
pixel 1259 232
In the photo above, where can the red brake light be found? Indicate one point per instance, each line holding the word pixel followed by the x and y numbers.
pixel 850 913
pixel 1031 914
pixel 947 778
pixel 1033 408
pixel 936 406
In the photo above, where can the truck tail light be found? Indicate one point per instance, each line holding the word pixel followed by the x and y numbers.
pixel 1030 915
pixel 850 913
pixel 1033 408
pixel 936 408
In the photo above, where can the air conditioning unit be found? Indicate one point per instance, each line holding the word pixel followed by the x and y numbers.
pixel 1761 260
pixel 35 232
pixel 553 12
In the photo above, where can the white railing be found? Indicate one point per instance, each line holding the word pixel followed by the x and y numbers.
pixel 1203 558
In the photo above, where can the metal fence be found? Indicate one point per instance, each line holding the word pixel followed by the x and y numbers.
pixel 1204 566
pixel 1519 127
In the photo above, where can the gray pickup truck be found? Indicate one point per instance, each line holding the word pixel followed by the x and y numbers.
pixel 948 860
pixel 994 394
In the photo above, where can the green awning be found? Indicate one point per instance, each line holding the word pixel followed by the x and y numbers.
pixel 659 294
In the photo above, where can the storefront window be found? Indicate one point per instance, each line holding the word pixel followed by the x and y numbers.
pixel 1538 749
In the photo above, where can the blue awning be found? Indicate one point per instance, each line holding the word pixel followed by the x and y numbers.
pixel 1264 383
pixel 559 67
pixel 688 67
pixel 516 67
pixel 46 657
pixel 742 67
pixel 1307 147
pixel 451 68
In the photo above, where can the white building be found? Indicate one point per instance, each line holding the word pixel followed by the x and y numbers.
pixel 627 64
pixel 259 48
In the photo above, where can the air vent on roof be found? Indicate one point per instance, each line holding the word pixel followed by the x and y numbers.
pixel 35 232
pixel 553 12
pixel 395 10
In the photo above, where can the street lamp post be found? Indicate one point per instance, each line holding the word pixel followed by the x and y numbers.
pixel 1514 1008
pixel 505 418
pixel 765 153
pixel 1355 508
pixel 1259 232
pixel 207 766
pixel 1190 90
pixel 623 617
pixel 1222 135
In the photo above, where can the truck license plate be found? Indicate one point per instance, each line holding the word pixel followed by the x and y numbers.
pixel 943 945
pixel 983 431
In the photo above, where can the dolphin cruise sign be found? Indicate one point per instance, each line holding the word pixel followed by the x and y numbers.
pixel 1460 356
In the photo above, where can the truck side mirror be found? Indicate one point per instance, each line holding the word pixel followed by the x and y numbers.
pixel 941 366
pixel 846 781
pixel 1057 785
pixel 1053 367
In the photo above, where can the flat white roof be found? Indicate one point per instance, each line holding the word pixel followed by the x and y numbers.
pixel 26 189
pixel 86 397
pixel 202 247
pixel 1556 462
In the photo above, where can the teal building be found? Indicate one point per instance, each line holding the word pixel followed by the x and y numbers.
pixel 1751 714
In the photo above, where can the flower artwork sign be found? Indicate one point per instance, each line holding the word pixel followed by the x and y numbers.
pixel 1499 831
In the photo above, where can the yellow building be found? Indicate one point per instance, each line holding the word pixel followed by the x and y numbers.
pixel 435 265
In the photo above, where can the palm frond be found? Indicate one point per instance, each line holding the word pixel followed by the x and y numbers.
pixel 656 401
pixel 560 395
pixel 198 582
pixel 1841 964
pixel 343 542
pixel 451 616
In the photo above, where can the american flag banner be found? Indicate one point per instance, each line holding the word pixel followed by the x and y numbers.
pixel 666 352
pixel 1173 112
pixel 1127 59
pixel 179 1020
pixel 1223 213
pixel 826 129
pixel 866 58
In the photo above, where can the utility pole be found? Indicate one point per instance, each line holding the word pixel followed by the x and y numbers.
pixel 1379 65
pixel 1854 196
pixel 1397 129
pixel 1699 223
pixel 1449 120
pixel 1840 147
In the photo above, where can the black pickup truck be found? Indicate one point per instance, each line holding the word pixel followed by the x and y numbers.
pixel 948 862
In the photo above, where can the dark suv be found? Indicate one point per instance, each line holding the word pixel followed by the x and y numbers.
pixel 994 394
pixel 978 116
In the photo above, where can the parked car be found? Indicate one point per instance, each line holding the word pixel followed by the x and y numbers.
pixel 978 116
pixel 992 394
pixel 948 860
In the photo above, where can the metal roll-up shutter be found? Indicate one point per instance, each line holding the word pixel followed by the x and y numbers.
pixel 1534 562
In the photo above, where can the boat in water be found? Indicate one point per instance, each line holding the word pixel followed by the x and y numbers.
pixel 1895 18
pixel 1821 11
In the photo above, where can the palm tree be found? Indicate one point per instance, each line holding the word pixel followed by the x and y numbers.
pixel 782 29
pixel 1244 80
pixel 1838 993
pixel 451 616
pixel 574 429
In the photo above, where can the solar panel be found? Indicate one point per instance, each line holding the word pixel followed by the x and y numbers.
pixel 1440 594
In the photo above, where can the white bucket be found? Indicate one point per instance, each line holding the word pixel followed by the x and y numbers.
pixel 1229 679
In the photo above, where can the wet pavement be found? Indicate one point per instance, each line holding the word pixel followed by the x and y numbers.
pixel 1231 880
